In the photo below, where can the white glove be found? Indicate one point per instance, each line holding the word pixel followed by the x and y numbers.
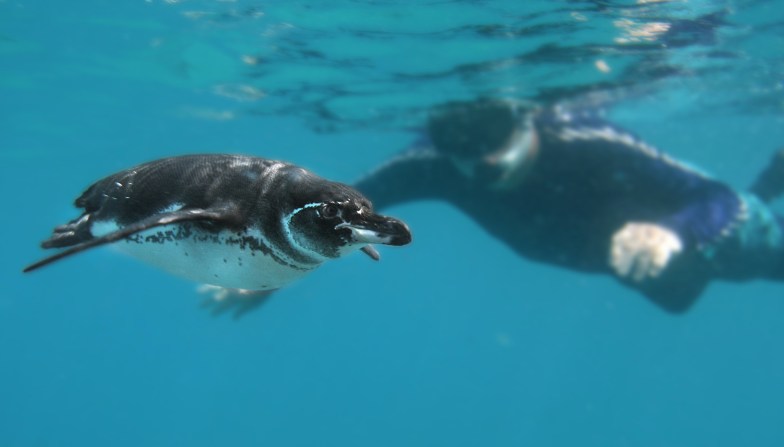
pixel 642 251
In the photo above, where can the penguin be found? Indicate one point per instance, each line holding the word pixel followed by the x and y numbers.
pixel 231 221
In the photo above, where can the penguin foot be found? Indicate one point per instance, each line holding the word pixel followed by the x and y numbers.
pixel 237 301
pixel 641 251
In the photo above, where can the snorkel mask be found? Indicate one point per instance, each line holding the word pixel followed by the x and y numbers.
pixel 489 140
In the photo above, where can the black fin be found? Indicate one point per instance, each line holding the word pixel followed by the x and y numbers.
pixel 679 287
pixel 225 215
pixel 675 297
pixel 770 183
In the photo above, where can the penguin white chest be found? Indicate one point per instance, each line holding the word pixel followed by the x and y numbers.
pixel 241 260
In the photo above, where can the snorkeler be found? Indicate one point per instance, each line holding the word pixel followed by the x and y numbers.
pixel 573 190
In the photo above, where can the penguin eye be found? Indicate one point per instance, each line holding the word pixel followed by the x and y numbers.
pixel 329 210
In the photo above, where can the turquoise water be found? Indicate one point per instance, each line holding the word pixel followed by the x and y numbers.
pixel 451 341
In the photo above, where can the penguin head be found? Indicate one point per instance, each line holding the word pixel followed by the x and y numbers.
pixel 337 220
pixel 491 141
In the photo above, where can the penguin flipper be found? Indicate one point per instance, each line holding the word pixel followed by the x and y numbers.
pixel 770 183
pixel 219 215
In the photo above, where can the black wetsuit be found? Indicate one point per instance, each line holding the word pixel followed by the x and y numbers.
pixel 589 179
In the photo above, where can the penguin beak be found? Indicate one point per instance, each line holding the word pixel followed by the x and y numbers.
pixel 368 228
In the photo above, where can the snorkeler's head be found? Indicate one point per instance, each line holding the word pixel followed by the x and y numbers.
pixel 489 140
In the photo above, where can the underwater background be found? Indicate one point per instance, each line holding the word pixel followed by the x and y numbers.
pixel 451 341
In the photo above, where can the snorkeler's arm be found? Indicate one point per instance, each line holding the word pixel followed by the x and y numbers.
pixel 666 260
pixel 417 173
pixel 702 210
pixel 710 212
pixel 642 251
pixel 689 213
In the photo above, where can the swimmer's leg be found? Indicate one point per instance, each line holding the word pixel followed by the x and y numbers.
pixel 754 249
pixel 770 183
pixel 778 273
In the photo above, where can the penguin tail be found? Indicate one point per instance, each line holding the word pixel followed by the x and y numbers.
pixel 770 183
pixel 72 233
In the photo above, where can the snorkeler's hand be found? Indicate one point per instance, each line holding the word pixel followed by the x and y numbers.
pixel 642 251
pixel 237 301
